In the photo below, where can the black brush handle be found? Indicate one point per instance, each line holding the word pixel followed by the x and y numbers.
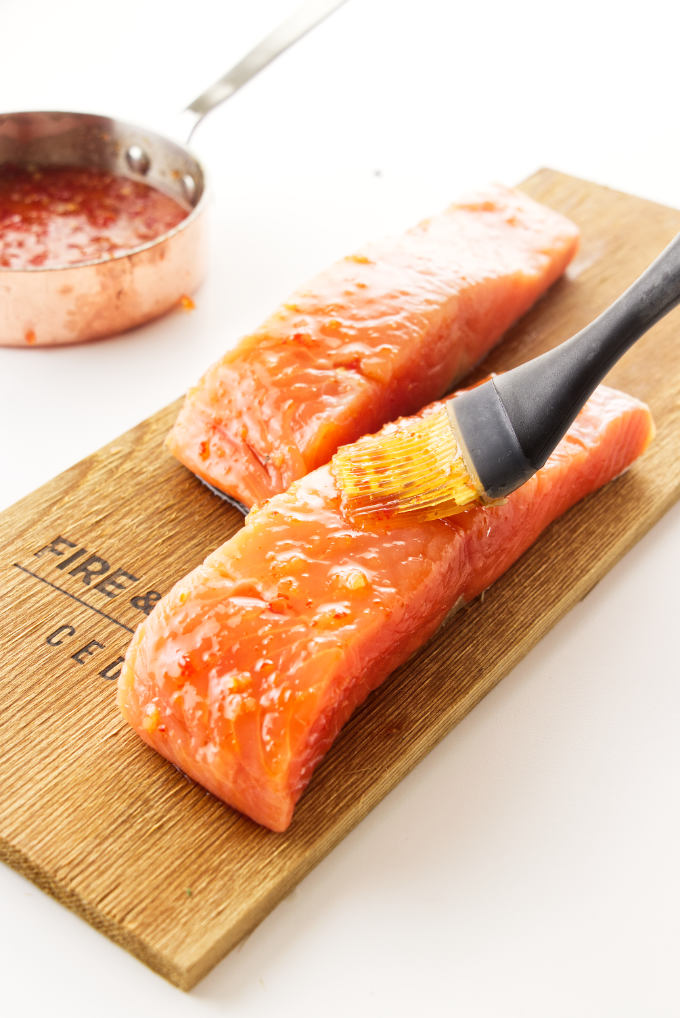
pixel 543 396
pixel 509 425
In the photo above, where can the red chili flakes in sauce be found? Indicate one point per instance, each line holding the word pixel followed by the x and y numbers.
pixel 64 215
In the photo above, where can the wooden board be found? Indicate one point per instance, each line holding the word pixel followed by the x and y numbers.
pixel 108 827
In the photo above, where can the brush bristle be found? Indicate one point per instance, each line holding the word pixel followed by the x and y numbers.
pixel 412 469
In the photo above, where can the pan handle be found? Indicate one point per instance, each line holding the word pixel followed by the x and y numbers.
pixel 289 31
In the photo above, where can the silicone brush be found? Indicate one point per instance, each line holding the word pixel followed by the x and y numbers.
pixel 482 444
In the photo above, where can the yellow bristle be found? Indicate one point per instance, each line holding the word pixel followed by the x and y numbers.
pixel 412 470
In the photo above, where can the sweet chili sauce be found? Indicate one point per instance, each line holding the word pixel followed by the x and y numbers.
pixel 53 216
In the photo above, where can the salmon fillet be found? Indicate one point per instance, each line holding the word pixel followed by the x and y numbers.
pixel 378 335
pixel 245 672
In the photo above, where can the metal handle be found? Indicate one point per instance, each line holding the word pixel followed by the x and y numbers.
pixel 288 32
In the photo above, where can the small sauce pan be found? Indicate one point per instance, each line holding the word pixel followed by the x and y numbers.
pixel 48 306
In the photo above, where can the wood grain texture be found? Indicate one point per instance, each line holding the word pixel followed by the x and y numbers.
pixel 100 821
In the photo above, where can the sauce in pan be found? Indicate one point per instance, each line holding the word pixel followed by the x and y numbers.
pixel 53 216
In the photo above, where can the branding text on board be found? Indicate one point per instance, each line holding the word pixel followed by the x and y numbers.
pixel 72 570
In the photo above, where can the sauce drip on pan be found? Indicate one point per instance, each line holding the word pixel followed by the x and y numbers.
pixel 52 216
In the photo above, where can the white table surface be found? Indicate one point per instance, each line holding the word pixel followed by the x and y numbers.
pixel 548 886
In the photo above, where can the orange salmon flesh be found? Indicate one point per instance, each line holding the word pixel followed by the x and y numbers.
pixel 380 334
pixel 245 672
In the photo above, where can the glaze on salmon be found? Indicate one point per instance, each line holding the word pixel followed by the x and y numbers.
pixel 245 672
pixel 378 335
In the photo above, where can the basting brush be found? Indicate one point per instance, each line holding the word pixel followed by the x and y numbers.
pixel 482 444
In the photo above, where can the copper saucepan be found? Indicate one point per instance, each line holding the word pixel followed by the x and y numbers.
pixel 47 306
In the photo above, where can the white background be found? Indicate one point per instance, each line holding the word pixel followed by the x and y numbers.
pixel 548 884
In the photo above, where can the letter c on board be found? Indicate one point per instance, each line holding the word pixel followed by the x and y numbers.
pixel 55 638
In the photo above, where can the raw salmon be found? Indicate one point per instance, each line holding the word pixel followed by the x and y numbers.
pixel 244 673
pixel 378 335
